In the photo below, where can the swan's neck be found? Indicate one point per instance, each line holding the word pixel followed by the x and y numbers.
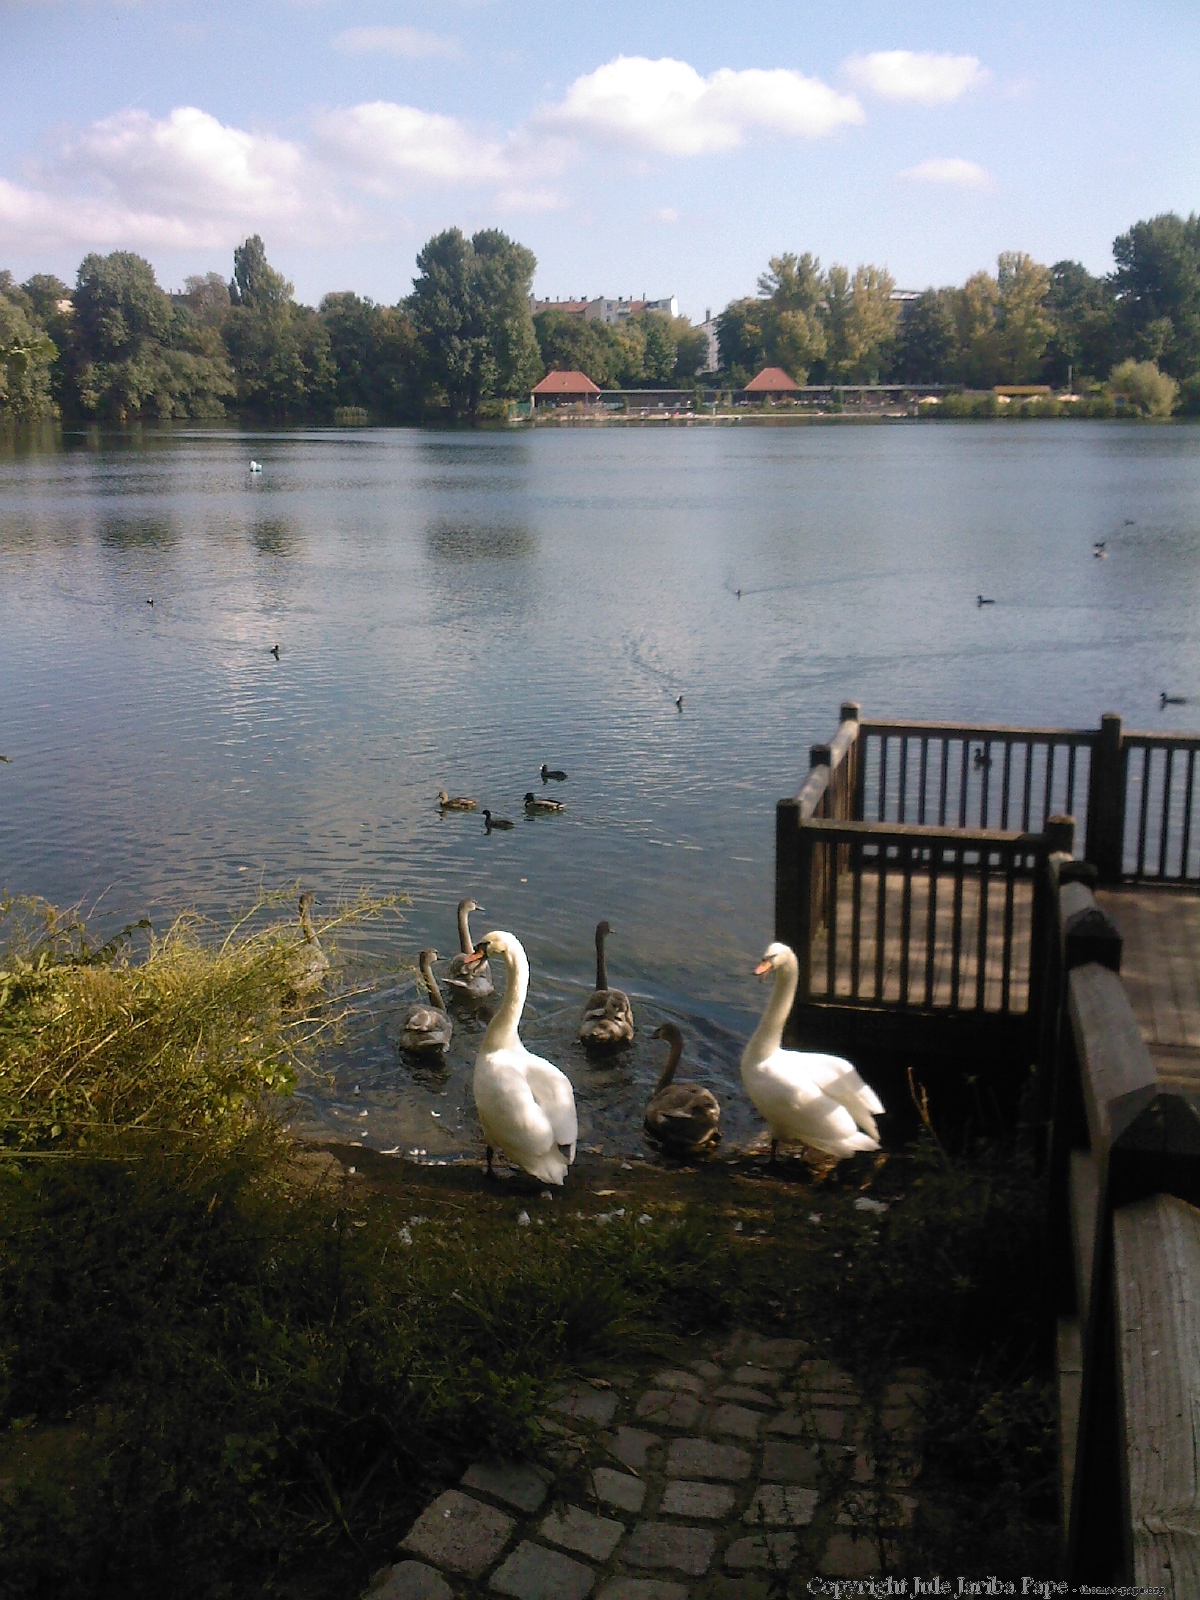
pixel 464 927
pixel 431 984
pixel 502 1029
pixel 768 1036
pixel 601 969
pixel 668 1072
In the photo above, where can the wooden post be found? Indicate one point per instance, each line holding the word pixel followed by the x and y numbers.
pixel 790 892
pixel 851 711
pixel 1106 801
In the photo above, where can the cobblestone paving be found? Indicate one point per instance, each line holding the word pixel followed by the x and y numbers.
pixel 735 1476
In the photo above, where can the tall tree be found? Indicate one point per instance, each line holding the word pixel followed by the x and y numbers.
pixel 978 361
pixel 1157 287
pixel 1022 322
pixel 1083 311
pixel 795 336
pixel 742 339
pixel 375 356
pixel 927 339
pixel 280 351
pixel 27 356
pixel 470 307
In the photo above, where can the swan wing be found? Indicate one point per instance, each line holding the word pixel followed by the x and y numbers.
pixel 795 1106
pixel 838 1079
pixel 512 1119
pixel 552 1091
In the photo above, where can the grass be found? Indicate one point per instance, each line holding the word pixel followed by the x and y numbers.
pixel 224 1374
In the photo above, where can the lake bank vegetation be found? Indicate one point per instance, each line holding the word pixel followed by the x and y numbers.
pixel 464 342
pixel 231 1366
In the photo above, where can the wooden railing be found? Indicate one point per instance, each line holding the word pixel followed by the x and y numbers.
pixel 1161 832
pixel 1124 1273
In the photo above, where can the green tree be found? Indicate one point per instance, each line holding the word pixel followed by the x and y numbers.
pixel 1144 388
pixel 927 339
pixel 375 356
pixel 978 356
pixel 27 355
pixel 742 339
pixel 868 326
pixel 280 351
pixel 794 289
pixel 1157 289
pixel 570 343
pixel 208 298
pixel 470 308
pixel 1083 312
pixel 1023 324
pixel 658 358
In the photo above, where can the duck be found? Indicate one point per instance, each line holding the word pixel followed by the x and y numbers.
pixel 608 1016
pixel 426 1027
pixel 816 1099
pixel 1166 699
pixel 983 600
pixel 679 702
pixel 526 1104
pixel 552 774
pixel 491 822
pixel 308 965
pixel 681 1116
pixel 983 757
pixel 256 466
pixel 458 803
pixel 274 651
pixel 470 982
pixel 535 803
pixel 1100 554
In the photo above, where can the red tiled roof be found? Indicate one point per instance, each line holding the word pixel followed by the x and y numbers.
pixel 771 380
pixel 567 383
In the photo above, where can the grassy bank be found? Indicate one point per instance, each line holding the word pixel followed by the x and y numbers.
pixel 230 1367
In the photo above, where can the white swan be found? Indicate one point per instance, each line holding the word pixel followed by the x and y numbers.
pixel 817 1099
pixel 426 1027
pixel 526 1105
pixel 472 982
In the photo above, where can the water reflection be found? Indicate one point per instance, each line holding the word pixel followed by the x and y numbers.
pixel 273 537
pixel 136 533
pixel 479 541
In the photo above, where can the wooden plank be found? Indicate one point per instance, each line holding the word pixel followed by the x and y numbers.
pixel 995 730
pixel 1113 1059
pixel 1160 961
pixel 1083 1190
pixel 1156 1249
pixel 1070 1385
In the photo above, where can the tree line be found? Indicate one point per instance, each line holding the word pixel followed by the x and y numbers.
pixel 117 347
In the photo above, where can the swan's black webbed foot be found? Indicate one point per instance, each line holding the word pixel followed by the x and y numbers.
pixel 774 1147
pixel 490 1152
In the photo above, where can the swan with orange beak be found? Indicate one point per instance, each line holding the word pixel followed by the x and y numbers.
pixel 816 1100
pixel 526 1105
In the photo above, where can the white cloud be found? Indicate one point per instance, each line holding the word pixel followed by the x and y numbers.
pixel 381 142
pixel 921 76
pixel 666 106
pixel 952 170
pixel 409 44
pixel 668 215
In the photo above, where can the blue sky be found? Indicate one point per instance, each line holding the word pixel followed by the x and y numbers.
pixel 669 146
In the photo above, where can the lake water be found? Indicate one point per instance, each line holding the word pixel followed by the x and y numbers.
pixel 453 609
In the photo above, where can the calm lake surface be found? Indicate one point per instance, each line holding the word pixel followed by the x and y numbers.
pixel 453 609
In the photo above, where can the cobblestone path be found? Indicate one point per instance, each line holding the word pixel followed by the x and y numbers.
pixel 736 1476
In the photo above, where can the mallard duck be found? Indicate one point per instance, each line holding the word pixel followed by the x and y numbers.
pixel 526 1105
pixel 682 1116
pixel 458 803
pixel 819 1100
pixel 426 1027
pixel 608 1016
pixel 535 803
pixel 491 822
pixel 308 965
pixel 468 978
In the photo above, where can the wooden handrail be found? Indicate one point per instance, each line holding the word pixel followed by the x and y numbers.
pixel 979 730
pixel 839 832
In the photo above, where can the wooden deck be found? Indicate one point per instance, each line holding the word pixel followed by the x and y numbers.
pixel 1160 964
pixel 931 979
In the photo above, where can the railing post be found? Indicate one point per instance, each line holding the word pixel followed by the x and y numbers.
pixel 1106 801
pixel 790 892
pixel 852 712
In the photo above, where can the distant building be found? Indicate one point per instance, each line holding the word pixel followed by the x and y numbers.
pixel 905 295
pixel 600 309
pixel 564 388
pixel 712 355
pixel 770 384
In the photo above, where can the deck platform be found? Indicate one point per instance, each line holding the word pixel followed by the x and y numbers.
pixel 1160 964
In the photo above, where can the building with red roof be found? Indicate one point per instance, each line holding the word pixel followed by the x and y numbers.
pixel 564 388
pixel 770 384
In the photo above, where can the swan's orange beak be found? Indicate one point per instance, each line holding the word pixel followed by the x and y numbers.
pixel 477 957
pixel 762 969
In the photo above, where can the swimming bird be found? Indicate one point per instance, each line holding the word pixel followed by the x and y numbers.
pixel 817 1099
pixel 608 1016
pixel 458 803
pixel 679 703
pixel 982 600
pixel 682 1116
pixel 550 773
pixel 256 466
pixel 739 594
pixel 535 803
pixel 6 758
pixel 1166 699
pixel 426 1027
pixel 1100 555
pixel 470 980
pixel 308 964
pixel 526 1105
pixel 1099 544
pixel 983 757
pixel 1130 522
pixel 491 822
pixel 149 600
pixel 274 651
